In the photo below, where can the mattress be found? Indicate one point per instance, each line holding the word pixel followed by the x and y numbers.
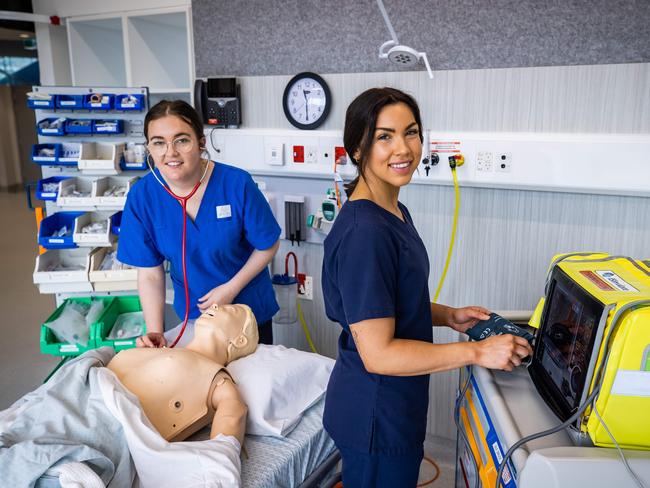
pixel 275 462
pixel 286 462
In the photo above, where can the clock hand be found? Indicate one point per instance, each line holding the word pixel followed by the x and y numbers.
pixel 305 93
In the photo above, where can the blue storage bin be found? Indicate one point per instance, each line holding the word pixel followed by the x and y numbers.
pixel 69 154
pixel 53 223
pixel 134 157
pixel 70 102
pixel 129 102
pixel 37 103
pixel 125 166
pixel 51 157
pixel 113 126
pixel 44 129
pixel 79 126
pixel 47 195
pixel 116 222
pixel 102 101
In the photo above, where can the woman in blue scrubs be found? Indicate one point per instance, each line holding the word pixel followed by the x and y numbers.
pixel 231 233
pixel 375 284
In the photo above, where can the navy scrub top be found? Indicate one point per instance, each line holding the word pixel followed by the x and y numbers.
pixel 233 219
pixel 376 266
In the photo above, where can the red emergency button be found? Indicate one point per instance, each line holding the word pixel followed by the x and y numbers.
pixel 298 154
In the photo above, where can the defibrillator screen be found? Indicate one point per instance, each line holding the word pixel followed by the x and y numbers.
pixel 565 344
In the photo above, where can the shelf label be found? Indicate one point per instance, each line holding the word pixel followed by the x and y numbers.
pixel 69 348
pixel 56 241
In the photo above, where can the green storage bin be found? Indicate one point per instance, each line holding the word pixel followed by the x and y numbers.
pixel 51 345
pixel 107 319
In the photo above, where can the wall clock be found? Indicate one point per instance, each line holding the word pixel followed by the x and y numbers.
pixel 306 101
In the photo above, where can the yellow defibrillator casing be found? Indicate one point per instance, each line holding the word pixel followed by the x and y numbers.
pixel 622 354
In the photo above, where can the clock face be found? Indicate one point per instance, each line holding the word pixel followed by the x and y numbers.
pixel 306 101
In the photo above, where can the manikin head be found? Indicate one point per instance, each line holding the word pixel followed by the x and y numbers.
pixel 232 327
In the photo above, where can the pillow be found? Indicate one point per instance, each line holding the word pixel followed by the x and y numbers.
pixel 278 385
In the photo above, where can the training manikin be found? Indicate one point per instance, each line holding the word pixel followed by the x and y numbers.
pixel 183 389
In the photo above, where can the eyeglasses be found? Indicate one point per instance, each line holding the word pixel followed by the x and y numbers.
pixel 158 147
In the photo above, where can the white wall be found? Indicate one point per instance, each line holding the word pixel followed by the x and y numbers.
pixel 52 41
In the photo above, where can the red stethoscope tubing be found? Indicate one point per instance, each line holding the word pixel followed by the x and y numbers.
pixel 183 202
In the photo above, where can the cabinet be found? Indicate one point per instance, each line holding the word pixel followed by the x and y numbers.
pixel 150 48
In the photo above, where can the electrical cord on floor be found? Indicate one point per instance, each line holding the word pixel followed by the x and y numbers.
pixel 461 431
pixel 454 227
pixel 304 326
pixel 435 476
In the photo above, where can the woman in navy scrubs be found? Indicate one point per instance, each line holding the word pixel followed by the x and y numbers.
pixel 375 284
pixel 231 233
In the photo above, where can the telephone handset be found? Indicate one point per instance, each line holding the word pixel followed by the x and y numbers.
pixel 218 102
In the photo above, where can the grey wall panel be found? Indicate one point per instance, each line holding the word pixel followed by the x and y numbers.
pixel 506 238
pixel 607 98
pixel 258 37
pixel 505 242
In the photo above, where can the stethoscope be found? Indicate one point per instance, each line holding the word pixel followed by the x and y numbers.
pixel 183 202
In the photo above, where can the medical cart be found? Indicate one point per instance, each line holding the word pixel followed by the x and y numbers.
pixel 499 409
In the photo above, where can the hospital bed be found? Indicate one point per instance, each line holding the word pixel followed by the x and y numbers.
pixel 306 458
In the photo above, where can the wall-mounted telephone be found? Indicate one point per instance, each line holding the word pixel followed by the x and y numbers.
pixel 218 102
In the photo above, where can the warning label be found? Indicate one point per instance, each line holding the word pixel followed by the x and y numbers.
pixel 597 280
pixel 616 281
pixel 445 146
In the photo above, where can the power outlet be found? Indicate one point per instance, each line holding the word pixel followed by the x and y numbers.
pixel 305 287
pixel 484 161
pixel 503 162
pixel 311 154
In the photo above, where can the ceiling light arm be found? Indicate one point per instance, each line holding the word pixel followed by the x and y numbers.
pixel 384 14
pixel 423 56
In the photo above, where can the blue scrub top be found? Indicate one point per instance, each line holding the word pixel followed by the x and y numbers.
pixel 376 266
pixel 233 219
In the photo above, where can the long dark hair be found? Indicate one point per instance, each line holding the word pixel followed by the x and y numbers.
pixel 180 109
pixel 361 122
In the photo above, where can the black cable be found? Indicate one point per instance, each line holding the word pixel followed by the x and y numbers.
pixel 544 433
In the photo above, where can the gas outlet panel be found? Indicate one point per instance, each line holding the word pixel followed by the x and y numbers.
pixel 583 163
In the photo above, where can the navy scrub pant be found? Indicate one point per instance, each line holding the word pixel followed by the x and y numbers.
pixel 372 470
pixel 265 331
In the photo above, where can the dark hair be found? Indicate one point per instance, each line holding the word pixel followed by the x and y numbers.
pixel 180 109
pixel 361 122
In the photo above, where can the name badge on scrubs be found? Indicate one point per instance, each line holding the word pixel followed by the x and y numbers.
pixel 223 211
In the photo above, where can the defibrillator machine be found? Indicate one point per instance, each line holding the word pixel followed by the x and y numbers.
pixel 590 371
pixel 595 335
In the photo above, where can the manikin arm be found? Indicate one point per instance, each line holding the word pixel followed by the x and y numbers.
pixel 230 409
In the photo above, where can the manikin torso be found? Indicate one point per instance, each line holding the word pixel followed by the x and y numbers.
pixel 175 386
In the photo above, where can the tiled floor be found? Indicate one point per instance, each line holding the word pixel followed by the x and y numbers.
pixel 23 367
pixel 23 309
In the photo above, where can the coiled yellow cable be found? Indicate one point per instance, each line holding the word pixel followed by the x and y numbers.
pixel 304 326
pixel 453 235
